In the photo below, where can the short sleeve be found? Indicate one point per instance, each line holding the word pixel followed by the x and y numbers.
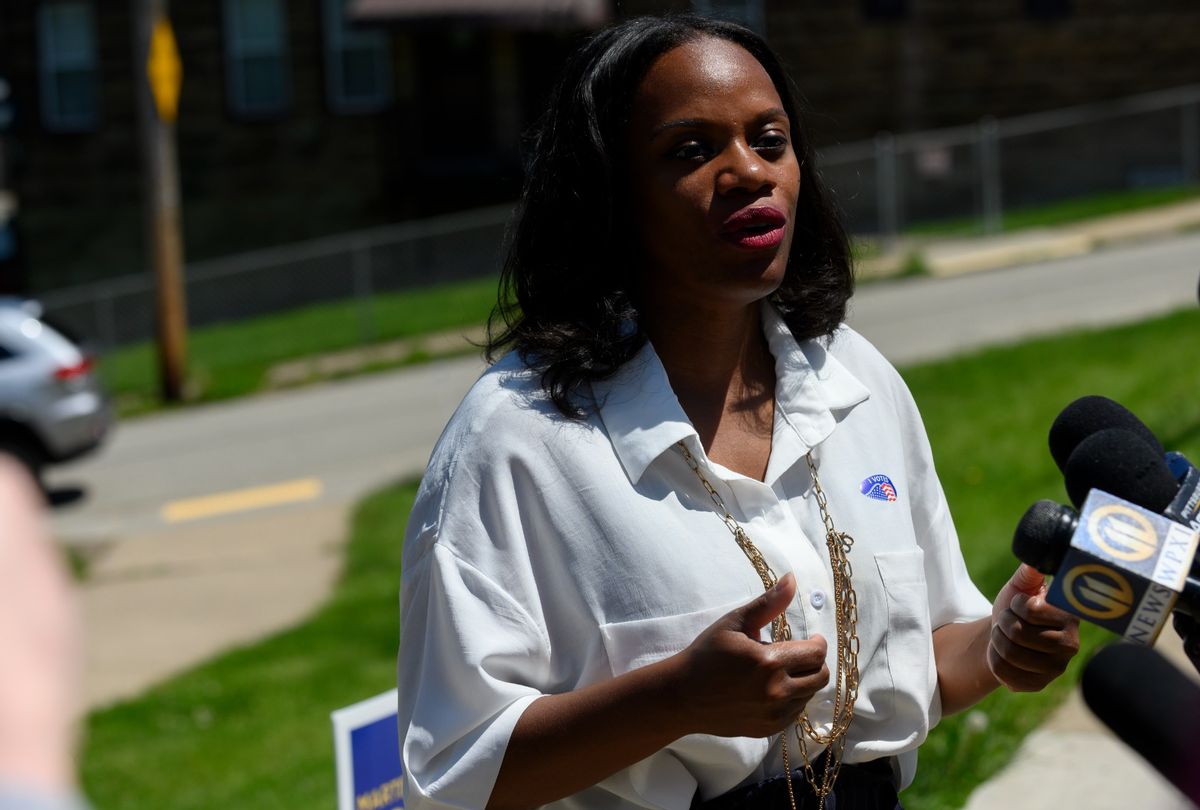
pixel 953 597
pixel 469 656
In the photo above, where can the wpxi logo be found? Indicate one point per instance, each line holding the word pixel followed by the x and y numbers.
pixel 1098 592
pixel 1123 533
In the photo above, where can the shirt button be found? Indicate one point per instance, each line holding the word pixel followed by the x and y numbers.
pixel 817 599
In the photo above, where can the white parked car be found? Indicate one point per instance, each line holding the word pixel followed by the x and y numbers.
pixel 52 406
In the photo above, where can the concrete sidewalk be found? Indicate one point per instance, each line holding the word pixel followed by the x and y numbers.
pixel 235 582
pixel 162 602
pixel 951 257
pixel 1073 762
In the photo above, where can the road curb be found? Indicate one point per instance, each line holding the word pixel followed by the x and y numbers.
pixel 952 257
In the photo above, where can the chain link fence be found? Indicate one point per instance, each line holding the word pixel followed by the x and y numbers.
pixel 885 186
pixel 978 172
pixel 354 266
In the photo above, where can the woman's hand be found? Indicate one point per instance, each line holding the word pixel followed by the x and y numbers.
pixel 734 685
pixel 726 683
pixel 39 627
pixel 1031 641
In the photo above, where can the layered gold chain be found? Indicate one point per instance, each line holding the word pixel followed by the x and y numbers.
pixel 846 614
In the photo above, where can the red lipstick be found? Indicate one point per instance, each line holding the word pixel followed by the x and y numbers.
pixel 757 228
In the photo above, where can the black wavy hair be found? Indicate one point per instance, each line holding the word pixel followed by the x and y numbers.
pixel 565 289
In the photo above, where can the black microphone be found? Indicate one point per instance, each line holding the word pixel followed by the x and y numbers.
pixel 1135 475
pixel 1139 475
pixel 1152 707
pixel 1121 463
pixel 1088 415
pixel 1117 565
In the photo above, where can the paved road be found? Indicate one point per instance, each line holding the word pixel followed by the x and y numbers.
pixel 354 435
pixel 930 318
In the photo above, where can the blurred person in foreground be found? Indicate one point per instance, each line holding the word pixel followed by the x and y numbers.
pixel 39 655
pixel 684 544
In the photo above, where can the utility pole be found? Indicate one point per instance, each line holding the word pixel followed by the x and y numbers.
pixel 157 78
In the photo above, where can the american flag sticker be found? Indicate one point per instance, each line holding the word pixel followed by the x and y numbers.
pixel 879 487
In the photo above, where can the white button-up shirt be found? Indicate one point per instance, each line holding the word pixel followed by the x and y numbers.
pixel 545 554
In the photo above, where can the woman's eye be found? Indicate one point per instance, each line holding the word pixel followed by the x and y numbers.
pixel 692 150
pixel 771 143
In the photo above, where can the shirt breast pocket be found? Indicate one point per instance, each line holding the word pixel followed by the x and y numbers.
pixel 716 763
pixel 908 637
pixel 634 644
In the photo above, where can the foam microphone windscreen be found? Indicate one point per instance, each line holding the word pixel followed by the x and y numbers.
pixel 1151 706
pixel 1121 463
pixel 1088 415
pixel 1043 535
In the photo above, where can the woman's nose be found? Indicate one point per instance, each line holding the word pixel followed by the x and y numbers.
pixel 743 170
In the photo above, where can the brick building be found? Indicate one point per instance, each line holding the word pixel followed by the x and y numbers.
pixel 292 124
pixel 295 123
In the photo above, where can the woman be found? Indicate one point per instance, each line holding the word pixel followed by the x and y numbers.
pixel 629 504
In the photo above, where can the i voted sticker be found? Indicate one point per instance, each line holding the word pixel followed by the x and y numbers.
pixel 879 487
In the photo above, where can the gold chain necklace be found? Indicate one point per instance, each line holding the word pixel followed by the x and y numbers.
pixel 846 613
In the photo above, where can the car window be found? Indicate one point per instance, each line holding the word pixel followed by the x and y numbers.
pixel 63 329
pixel 48 339
pixel 30 336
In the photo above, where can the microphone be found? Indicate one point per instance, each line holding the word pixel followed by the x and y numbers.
pixel 1121 462
pixel 1145 485
pixel 1142 477
pixel 1114 564
pixel 1185 506
pixel 1088 415
pixel 1152 707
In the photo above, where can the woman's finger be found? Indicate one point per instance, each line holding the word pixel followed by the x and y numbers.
pixel 1037 611
pixel 1012 676
pixel 1037 637
pixel 1050 662
pixel 800 658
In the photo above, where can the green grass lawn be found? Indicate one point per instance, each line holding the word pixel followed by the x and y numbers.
pixel 229 360
pixel 251 729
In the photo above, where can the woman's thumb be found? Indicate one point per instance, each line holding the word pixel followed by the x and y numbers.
pixel 758 614
pixel 1027 579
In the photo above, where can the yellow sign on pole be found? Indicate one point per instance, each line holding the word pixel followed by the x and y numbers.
pixel 164 70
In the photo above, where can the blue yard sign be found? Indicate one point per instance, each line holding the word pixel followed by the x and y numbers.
pixel 367 744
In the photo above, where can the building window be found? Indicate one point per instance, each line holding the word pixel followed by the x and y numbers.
pixel 67 66
pixel 256 57
pixel 358 64
pixel 885 9
pixel 747 12
pixel 1047 9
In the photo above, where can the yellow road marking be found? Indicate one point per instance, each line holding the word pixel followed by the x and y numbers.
pixel 242 500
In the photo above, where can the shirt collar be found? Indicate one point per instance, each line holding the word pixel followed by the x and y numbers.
pixel 812 388
pixel 641 413
pixel 644 419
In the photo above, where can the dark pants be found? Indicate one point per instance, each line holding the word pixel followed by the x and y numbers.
pixel 866 786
